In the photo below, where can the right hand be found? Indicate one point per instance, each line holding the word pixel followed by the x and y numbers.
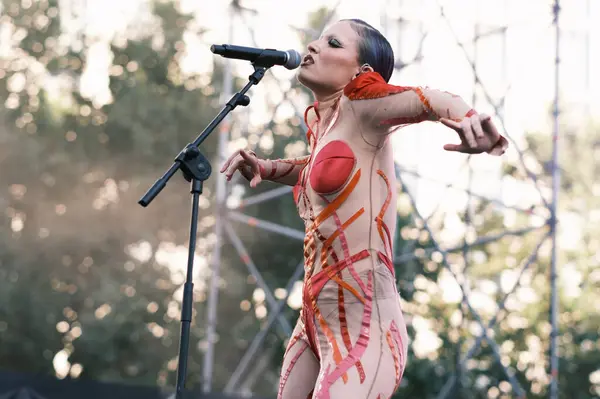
pixel 246 163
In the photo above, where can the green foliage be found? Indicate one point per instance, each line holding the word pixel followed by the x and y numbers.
pixel 70 282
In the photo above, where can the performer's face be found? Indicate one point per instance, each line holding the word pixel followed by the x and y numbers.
pixel 332 60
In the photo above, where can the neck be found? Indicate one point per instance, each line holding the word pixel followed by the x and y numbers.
pixel 326 102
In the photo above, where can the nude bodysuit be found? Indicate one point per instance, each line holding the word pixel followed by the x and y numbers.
pixel 350 341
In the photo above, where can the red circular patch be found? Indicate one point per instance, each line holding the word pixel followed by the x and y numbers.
pixel 332 167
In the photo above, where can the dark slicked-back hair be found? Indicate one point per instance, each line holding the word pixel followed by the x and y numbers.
pixel 374 49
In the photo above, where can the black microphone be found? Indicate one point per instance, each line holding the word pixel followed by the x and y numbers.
pixel 258 56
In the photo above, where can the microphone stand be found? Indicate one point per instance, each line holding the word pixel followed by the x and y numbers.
pixel 196 169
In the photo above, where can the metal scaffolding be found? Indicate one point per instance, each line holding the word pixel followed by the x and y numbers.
pixel 224 229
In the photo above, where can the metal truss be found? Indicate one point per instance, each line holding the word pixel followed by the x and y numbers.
pixel 227 216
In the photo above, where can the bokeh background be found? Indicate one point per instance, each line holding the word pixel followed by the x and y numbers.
pixel 98 97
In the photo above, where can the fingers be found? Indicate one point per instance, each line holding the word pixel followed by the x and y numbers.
pixel 255 181
pixel 250 160
pixel 234 157
pixel 246 164
pixel 499 148
pixel 254 168
pixel 456 147
pixel 463 129
pixel 462 148
pixel 489 126
pixel 468 133
pixel 246 173
pixel 473 131
pixel 226 164
pixel 476 126
pixel 236 163
pixel 451 124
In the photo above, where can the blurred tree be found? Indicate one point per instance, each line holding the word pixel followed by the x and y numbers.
pixel 578 260
pixel 522 330
pixel 88 276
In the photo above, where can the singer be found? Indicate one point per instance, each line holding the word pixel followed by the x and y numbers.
pixel 351 340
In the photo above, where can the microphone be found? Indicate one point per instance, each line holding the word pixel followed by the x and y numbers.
pixel 261 57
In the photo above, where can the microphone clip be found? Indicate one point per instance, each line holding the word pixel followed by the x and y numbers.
pixel 256 77
pixel 264 60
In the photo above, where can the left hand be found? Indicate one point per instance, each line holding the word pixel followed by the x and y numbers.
pixel 477 134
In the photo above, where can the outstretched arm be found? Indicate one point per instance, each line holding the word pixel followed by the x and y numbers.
pixel 284 171
pixel 384 107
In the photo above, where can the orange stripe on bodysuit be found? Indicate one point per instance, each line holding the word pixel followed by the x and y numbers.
pixel 329 241
pixel 344 244
pixel 337 202
pixel 310 136
pixel 425 102
pixel 328 250
pixel 358 350
pixel 321 279
pixel 315 284
pixel 346 334
pixel 400 345
pixel 381 226
pixel 308 297
pixel 326 213
pixel 386 261
pixel 325 249
pixel 310 255
pixel 395 355
pixel 337 355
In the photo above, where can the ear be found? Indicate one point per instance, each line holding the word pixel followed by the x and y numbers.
pixel 364 68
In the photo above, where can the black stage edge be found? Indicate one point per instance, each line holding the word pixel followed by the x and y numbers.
pixel 15 385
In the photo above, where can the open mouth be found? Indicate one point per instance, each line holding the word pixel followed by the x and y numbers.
pixel 307 60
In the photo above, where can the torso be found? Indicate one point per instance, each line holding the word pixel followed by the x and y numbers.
pixel 346 196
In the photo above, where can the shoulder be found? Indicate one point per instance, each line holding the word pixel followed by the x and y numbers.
pixel 371 85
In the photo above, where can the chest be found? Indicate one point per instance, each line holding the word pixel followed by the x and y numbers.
pixel 332 164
